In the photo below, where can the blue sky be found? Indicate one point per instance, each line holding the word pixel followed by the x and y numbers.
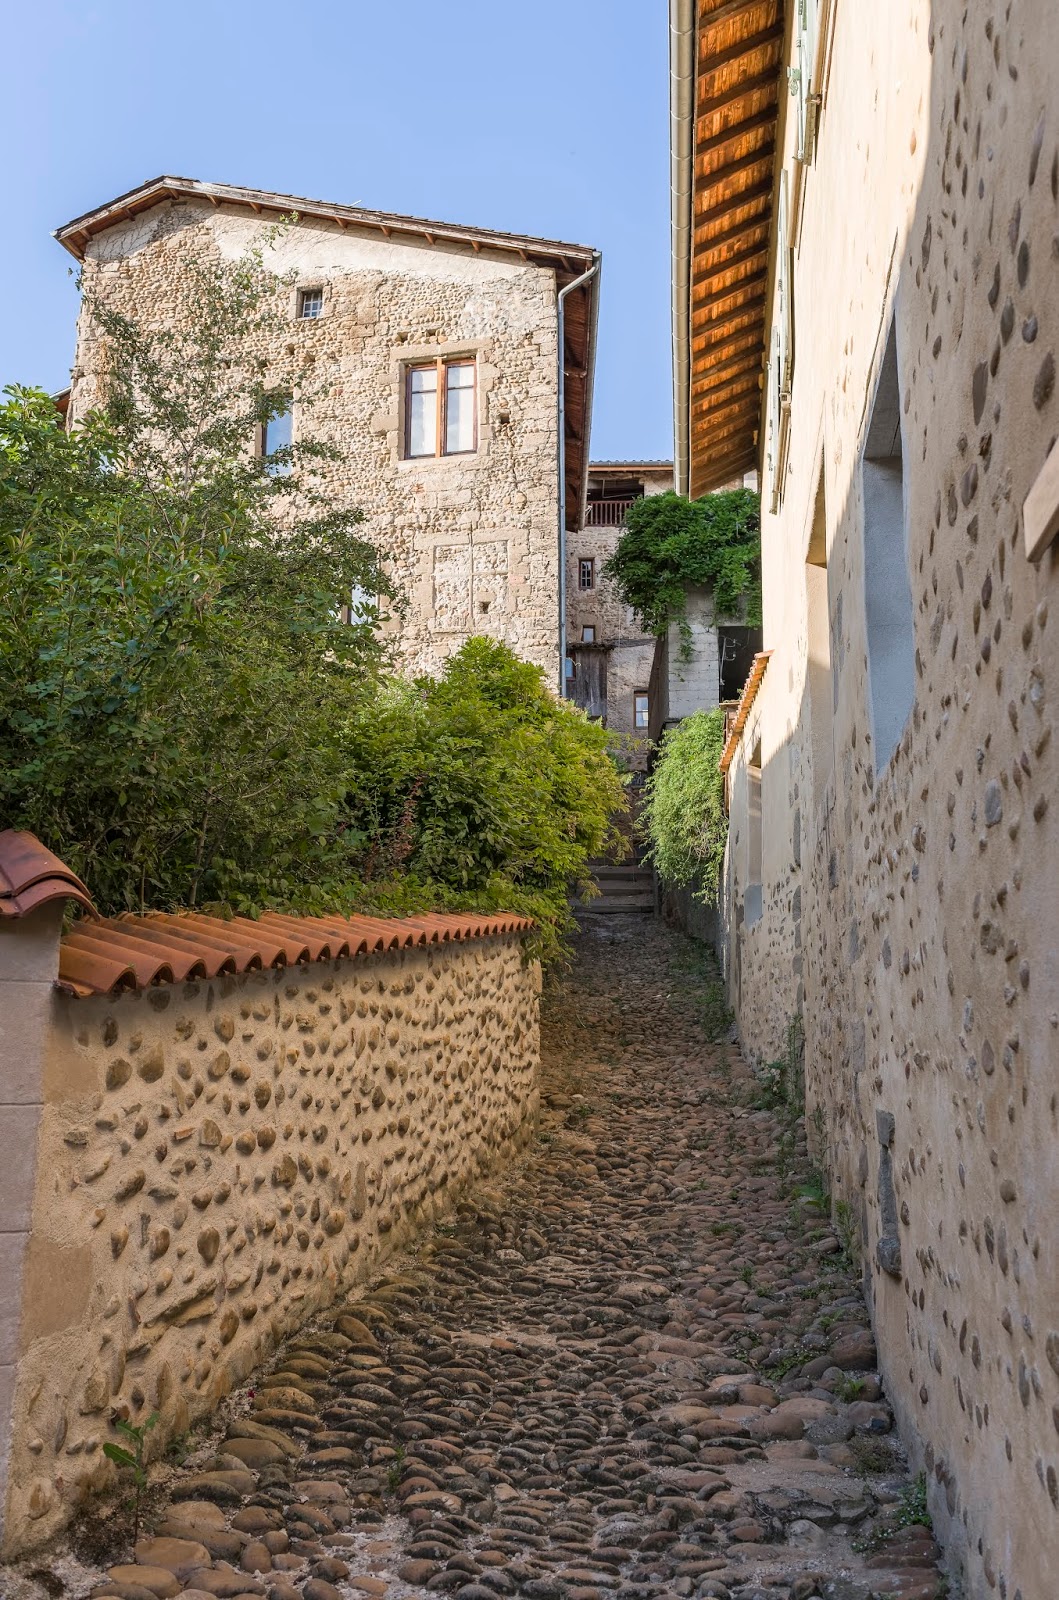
pixel 548 119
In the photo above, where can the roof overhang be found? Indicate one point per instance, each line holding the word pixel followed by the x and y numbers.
pixel 744 708
pixel 567 261
pixel 725 79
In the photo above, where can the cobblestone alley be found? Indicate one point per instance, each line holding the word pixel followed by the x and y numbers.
pixel 637 1365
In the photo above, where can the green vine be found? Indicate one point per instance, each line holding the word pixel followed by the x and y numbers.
pixel 683 816
pixel 671 544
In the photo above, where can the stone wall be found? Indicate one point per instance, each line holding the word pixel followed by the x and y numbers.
pixel 910 902
pixel 471 539
pixel 215 1161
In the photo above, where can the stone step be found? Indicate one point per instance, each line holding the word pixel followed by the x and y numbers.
pixel 607 904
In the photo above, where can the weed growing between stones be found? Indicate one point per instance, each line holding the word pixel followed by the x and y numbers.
pixel 132 1461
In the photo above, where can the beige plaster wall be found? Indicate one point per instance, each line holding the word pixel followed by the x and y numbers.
pixel 216 1161
pixel 471 540
pixel 913 911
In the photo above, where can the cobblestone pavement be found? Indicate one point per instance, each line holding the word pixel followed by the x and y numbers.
pixel 637 1365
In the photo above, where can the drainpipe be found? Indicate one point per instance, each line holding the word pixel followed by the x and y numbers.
pixel 682 173
pixel 576 283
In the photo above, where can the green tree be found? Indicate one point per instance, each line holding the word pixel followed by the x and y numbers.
pixel 683 817
pixel 185 717
pixel 176 655
pixel 670 543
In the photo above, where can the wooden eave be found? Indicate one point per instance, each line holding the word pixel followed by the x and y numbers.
pixel 738 80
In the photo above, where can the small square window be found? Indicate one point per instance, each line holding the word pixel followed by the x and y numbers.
pixel 588 633
pixel 586 573
pixel 641 707
pixel 310 304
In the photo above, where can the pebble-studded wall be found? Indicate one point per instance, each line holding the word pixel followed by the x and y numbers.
pixel 218 1160
pixel 920 890
pixel 470 539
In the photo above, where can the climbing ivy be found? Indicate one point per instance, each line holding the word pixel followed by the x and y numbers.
pixel 671 543
pixel 683 816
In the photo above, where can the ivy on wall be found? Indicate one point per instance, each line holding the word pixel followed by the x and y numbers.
pixel 671 544
pixel 684 818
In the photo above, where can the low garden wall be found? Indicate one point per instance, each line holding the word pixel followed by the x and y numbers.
pixel 205 1163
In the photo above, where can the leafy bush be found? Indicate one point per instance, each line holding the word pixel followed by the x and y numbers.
pixel 671 543
pixel 481 788
pixel 683 816
pixel 172 679
pixel 187 719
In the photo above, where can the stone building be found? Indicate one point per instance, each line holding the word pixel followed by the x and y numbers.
pixel 866 305
pixel 436 355
pixel 610 655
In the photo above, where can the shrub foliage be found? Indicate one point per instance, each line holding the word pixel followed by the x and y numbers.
pixel 670 543
pixel 187 720
pixel 683 816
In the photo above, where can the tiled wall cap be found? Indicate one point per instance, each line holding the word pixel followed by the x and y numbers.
pixel 130 952
pixel 30 876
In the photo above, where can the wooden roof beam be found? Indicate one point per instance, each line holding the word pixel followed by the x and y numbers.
pixel 746 363
pixel 741 164
pixel 753 252
pixel 746 405
pixel 738 230
pixel 724 13
pixel 737 130
pixel 712 302
pixel 746 338
pixel 742 47
pixel 728 292
pixel 732 202
pixel 769 79
pixel 729 391
pixel 734 433
pixel 710 337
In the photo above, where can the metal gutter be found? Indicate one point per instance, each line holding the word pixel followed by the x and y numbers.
pixel 590 372
pixel 682 28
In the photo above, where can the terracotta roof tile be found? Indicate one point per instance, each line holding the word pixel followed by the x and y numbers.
pixel 30 876
pixel 129 952
pixel 107 955
pixel 742 710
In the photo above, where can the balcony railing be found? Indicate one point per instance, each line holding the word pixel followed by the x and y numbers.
pixel 608 513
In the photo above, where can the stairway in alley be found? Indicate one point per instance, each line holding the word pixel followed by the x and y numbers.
pixel 626 887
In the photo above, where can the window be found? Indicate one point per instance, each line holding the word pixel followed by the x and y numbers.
pixel 779 374
pixel 310 304
pixel 361 607
pixel 277 434
pixel 752 895
pixel 641 709
pixel 818 622
pixel 887 589
pixel 440 409
pixel 586 573
pixel 588 633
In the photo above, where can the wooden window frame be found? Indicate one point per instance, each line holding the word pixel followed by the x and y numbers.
pixel 645 695
pixel 441 364
pixel 582 562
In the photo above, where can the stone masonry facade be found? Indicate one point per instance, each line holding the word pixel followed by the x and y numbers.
pixel 903 738
pixel 471 540
pixel 217 1160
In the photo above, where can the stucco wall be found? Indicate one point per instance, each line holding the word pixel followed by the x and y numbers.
pixel 471 540
pixel 215 1161
pixel 923 897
